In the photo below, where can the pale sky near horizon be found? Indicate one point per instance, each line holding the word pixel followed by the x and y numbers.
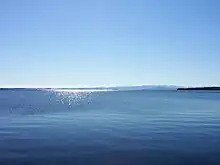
pixel 74 43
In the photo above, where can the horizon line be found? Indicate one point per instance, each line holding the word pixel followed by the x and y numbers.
pixel 120 86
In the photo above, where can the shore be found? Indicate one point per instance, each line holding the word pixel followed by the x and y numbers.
pixel 200 88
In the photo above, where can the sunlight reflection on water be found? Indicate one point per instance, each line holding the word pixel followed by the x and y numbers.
pixel 72 97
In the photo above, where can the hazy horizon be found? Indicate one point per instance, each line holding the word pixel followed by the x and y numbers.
pixel 121 86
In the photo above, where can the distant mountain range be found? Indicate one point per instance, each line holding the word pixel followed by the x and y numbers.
pixel 146 87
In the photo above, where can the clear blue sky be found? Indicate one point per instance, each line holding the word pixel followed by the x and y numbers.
pixel 67 43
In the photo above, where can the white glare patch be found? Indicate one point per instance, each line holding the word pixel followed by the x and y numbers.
pixel 81 90
pixel 73 97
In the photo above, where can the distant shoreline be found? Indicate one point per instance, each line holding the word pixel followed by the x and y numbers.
pixel 115 88
pixel 200 88
pixel 130 88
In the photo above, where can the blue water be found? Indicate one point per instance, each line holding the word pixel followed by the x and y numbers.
pixel 109 128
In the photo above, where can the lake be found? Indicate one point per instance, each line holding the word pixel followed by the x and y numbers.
pixel 109 127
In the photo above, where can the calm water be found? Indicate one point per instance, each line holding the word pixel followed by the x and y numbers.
pixel 109 128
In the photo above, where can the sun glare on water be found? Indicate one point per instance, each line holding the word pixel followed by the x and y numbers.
pixel 72 97
pixel 80 90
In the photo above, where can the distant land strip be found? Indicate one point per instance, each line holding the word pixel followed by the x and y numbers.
pixel 200 88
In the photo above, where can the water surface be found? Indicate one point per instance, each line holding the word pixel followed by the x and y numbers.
pixel 109 127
